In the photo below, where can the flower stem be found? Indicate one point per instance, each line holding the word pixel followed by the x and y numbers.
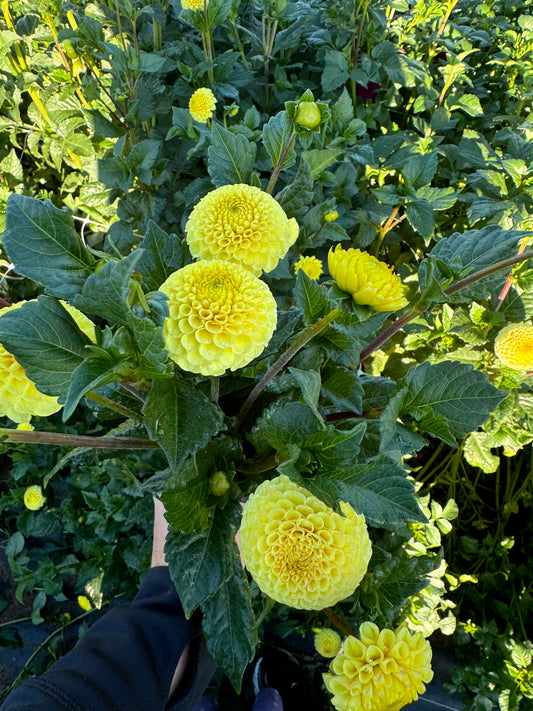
pixel 112 405
pixel 279 164
pixel 305 336
pixel 69 440
pixel 339 623
pixel 420 306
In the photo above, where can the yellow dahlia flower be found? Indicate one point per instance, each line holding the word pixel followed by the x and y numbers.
pixel 242 224
pixel 369 281
pixel 380 671
pixel 33 498
pixel 298 550
pixel 328 643
pixel 514 346
pixel 202 104
pixel 310 266
pixel 19 398
pixel 192 4
pixel 220 316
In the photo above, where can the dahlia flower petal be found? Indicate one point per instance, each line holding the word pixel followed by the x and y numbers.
pixel 288 557
pixel 514 346
pixel 241 224
pixel 369 281
pixel 231 316
pixel 382 670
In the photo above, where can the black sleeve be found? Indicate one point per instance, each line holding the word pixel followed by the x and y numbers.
pixel 126 660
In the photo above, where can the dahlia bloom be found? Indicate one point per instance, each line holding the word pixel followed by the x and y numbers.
pixel 328 643
pixel 310 266
pixel 369 281
pixel 202 103
pixel 380 671
pixel 33 498
pixel 220 316
pixel 298 550
pixel 192 4
pixel 514 346
pixel 19 398
pixel 241 224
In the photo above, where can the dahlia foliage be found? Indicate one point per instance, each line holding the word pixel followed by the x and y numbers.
pixel 236 353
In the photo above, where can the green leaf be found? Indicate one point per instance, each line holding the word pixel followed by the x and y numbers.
pixel 343 387
pixel 106 292
pixel 377 392
pixel 312 299
pixel 463 396
pixel 475 250
pixel 231 157
pixel 45 341
pixel 228 620
pixel 187 510
pixel 150 341
pixel 43 245
pixel 280 426
pixel 477 452
pixel 89 375
pixel 334 448
pixel 380 490
pixel 297 196
pixel 319 160
pixel 309 383
pixel 198 562
pixel 339 344
pixel 275 136
pixel 342 111
pixel 469 103
pixel 180 418
pixel 162 255
pixel 420 170
pixel 420 217
pixel 335 70
pixel 395 580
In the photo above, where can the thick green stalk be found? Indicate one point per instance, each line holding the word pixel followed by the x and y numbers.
pixel 69 440
pixel 305 336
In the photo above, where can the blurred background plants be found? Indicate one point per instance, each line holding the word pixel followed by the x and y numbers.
pixel 426 130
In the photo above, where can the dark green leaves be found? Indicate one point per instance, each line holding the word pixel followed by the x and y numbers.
pixel 311 298
pixel 447 400
pixel 276 134
pixel 162 254
pixel 231 157
pixel 45 341
pixel 207 573
pixel 42 243
pixel 180 418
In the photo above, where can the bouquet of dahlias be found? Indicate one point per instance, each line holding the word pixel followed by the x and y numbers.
pixel 239 354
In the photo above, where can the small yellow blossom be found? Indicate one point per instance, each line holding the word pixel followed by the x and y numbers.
pixel 328 643
pixel 84 603
pixel 25 427
pixel 220 316
pixel 514 346
pixel 298 550
pixel 380 671
pixel 369 281
pixel 308 114
pixel 241 224
pixel 219 483
pixel 310 266
pixel 192 4
pixel 202 104
pixel 33 498
pixel 331 216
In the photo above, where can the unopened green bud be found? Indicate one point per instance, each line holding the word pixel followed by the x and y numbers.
pixel 308 114
pixel 219 483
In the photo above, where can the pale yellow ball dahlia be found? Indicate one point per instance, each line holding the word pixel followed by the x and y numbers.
pixel 192 4
pixel 241 224
pixel 220 316
pixel 202 104
pixel 310 266
pixel 369 281
pixel 328 643
pixel 514 346
pixel 380 671
pixel 298 550
pixel 19 398
pixel 33 498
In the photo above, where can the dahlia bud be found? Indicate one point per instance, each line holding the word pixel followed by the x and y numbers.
pixel 219 483
pixel 308 114
pixel 328 643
